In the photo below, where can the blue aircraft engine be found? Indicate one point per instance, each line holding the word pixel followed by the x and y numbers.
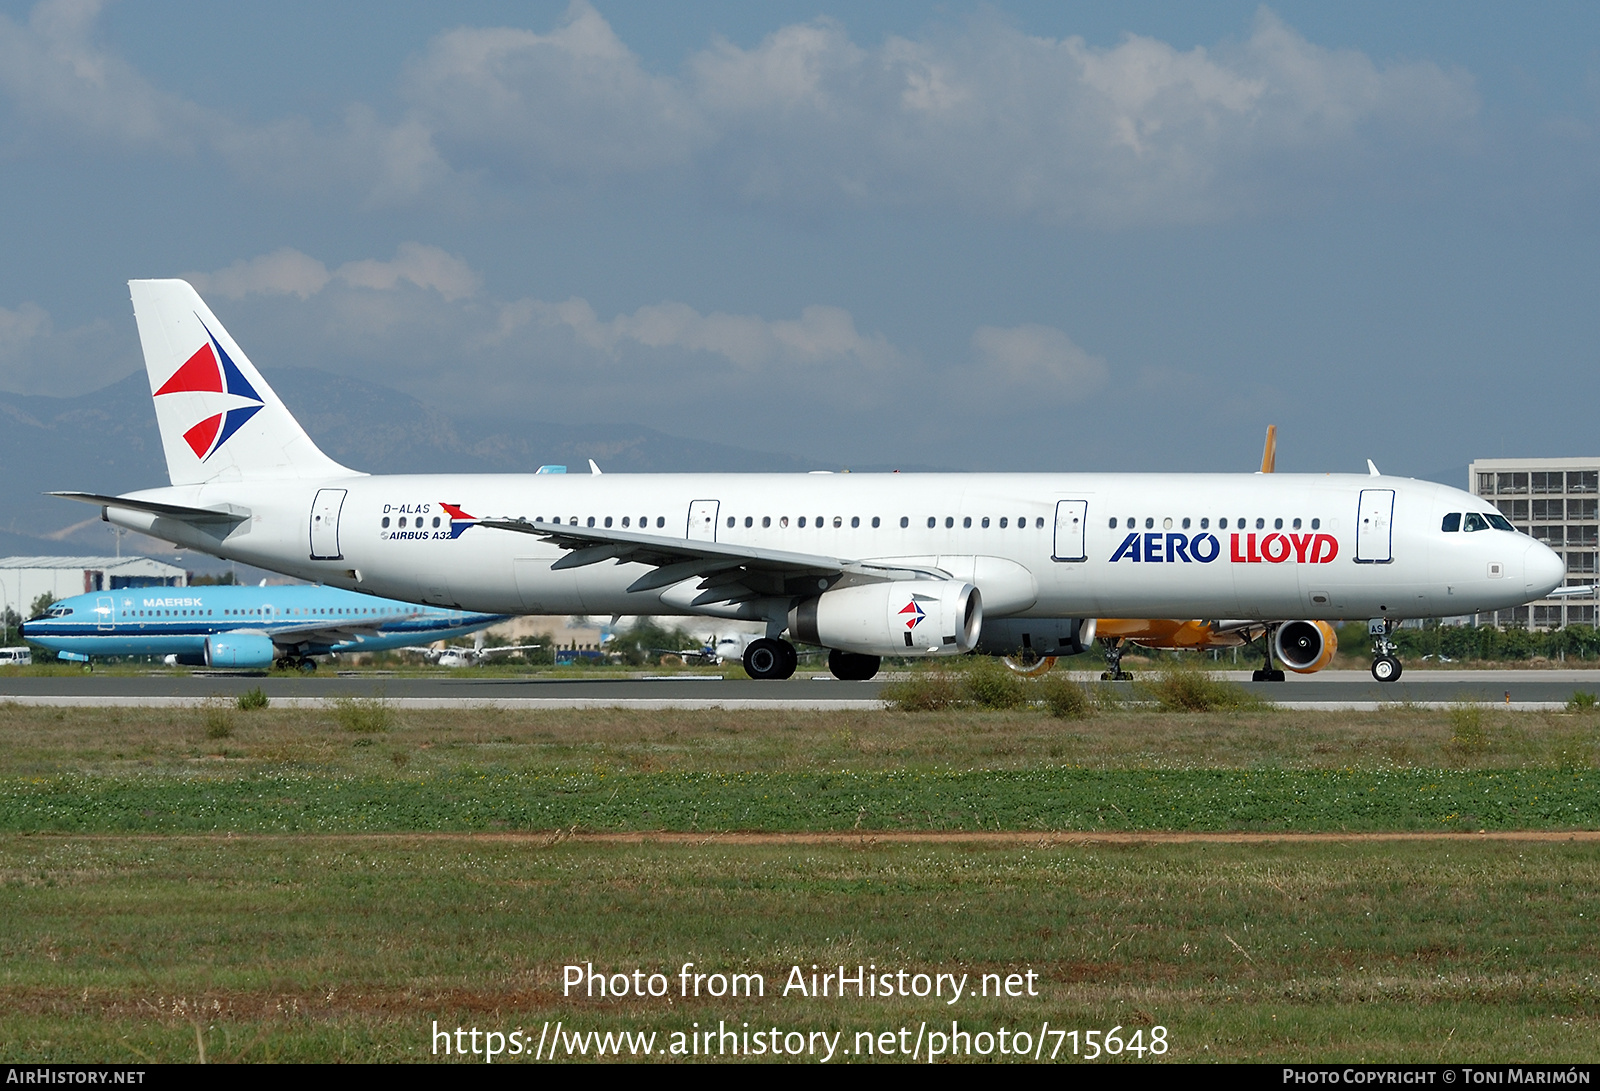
pixel 239 650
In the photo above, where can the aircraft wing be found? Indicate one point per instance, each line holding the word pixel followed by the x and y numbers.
pixel 731 572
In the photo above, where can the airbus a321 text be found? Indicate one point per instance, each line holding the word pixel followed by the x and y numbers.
pixel 865 565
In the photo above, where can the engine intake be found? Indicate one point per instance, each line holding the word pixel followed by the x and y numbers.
pixel 908 617
pixel 1305 646
pixel 239 650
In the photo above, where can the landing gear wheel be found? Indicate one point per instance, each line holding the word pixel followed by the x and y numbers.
pixel 851 667
pixel 1386 668
pixel 1266 676
pixel 775 659
pixel 1119 676
pixel 1114 671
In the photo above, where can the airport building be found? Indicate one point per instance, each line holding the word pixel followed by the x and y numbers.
pixel 1557 500
pixel 24 579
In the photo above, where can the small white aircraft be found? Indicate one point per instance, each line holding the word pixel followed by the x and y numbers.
pixel 865 565
pixel 453 655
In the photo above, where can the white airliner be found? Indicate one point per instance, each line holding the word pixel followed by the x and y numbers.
pixel 865 565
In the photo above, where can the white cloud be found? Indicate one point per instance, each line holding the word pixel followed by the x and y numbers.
pixel 984 119
pixel 37 358
pixel 289 272
pixel 422 266
pixel 1040 360
pixel 282 272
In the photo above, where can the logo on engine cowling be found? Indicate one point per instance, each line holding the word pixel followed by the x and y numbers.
pixel 916 615
pixel 1157 547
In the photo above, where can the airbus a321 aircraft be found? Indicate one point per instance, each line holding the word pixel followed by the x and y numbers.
pixel 250 627
pixel 866 565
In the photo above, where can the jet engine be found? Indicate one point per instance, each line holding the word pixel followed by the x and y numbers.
pixel 1036 636
pixel 907 617
pixel 1305 646
pixel 239 650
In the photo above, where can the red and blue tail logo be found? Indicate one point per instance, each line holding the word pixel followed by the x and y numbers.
pixel 459 520
pixel 210 371
pixel 916 613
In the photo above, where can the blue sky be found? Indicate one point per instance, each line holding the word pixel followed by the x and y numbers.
pixel 999 236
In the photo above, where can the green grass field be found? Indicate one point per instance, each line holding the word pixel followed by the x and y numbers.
pixel 264 884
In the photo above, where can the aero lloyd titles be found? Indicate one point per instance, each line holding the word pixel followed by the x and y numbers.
pixel 1276 548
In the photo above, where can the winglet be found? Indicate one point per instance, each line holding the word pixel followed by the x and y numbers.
pixel 1372 469
pixel 1269 453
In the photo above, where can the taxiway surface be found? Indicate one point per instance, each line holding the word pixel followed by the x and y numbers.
pixel 1525 690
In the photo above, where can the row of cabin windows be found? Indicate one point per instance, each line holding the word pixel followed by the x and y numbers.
pixel 820 521
pixel 417 522
pixel 1222 524
pixel 242 613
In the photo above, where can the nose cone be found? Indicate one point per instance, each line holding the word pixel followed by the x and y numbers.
pixel 1545 570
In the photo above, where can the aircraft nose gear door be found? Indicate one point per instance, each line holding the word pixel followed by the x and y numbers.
pixel 1070 518
pixel 325 525
pixel 703 520
pixel 1373 528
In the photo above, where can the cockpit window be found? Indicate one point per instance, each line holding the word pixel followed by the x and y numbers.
pixel 1498 521
pixel 1452 523
pixel 58 611
pixel 1474 521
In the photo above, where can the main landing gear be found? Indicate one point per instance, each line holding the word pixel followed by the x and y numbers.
pixel 851 666
pixel 1267 673
pixel 303 663
pixel 1114 671
pixel 768 658
pixel 1385 666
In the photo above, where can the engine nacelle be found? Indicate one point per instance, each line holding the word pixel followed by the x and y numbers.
pixel 907 617
pixel 239 650
pixel 1041 636
pixel 1305 646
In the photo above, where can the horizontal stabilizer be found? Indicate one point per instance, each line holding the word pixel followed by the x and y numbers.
pixel 226 515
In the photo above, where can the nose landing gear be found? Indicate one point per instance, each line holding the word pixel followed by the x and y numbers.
pixel 1385 665
pixel 1114 671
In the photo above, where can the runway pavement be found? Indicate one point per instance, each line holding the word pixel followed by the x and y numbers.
pixel 1523 690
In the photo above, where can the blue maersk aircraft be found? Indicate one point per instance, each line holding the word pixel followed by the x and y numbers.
pixel 864 565
pixel 241 626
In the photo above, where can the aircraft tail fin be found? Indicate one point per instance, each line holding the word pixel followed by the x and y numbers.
pixel 219 419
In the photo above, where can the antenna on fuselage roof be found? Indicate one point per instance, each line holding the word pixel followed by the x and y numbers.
pixel 1269 453
pixel 1372 470
pixel 593 469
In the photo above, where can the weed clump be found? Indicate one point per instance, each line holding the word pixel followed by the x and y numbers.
pixel 1064 698
pixel 1466 729
pixel 218 722
pixel 1185 689
pixel 924 691
pixel 253 699
pixel 363 717
pixel 991 684
pixel 1582 702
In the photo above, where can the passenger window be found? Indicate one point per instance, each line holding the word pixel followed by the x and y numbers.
pixel 661 520
pixel 749 521
pixel 802 521
pixel 1166 524
pixel 731 521
pixel 1297 524
pixel 1185 522
pixel 1316 524
pixel 837 522
pixel 855 520
pixel 783 522
pixel 1260 523
pixel 1003 523
pixel 436 521
pixel 966 522
pixel 1113 523
pixel 949 521
pixel 1222 524
pixel 766 520
pixel 904 522
pixel 1277 524
pixel 402 520
pixel 986 522
pixel 1474 521
pixel 874 522
pixel 1149 522
pixel 608 521
pixel 932 522
pixel 1452 523
pixel 591 520
pixel 624 522
pixel 1038 523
